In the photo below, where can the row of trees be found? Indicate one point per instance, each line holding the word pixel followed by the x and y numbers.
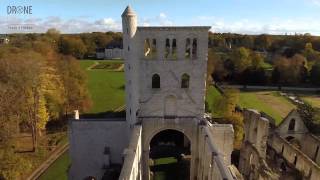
pixel 264 42
pixel 246 66
pixel 37 85
pixel 80 46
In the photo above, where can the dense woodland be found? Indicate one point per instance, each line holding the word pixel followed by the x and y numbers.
pixel 38 86
pixel 265 59
pixel 41 81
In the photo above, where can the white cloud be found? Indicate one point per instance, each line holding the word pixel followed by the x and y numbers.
pixel 160 20
pixel 163 15
pixel 75 25
pixel 272 26
pixel 315 2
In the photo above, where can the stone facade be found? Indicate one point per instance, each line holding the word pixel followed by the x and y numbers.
pixel 109 53
pixel 165 72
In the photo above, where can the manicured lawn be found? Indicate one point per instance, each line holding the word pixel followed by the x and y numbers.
pixel 86 63
pixel 58 170
pixel 105 87
pixel 269 102
pixel 212 95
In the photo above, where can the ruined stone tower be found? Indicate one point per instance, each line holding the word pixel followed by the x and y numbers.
pixel 165 72
pixel 165 69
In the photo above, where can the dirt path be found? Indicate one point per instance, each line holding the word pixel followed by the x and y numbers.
pixel 47 163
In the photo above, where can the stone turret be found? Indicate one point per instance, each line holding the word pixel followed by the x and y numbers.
pixel 129 22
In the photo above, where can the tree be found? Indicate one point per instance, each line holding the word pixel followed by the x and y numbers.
pixel 290 70
pixel 75 85
pixel 225 107
pixel 257 60
pixel 72 46
pixel 241 59
pixel 315 74
pixel 262 42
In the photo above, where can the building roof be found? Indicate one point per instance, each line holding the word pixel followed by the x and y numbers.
pixel 128 11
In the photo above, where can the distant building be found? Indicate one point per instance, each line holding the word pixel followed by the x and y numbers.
pixel 4 40
pixel 110 52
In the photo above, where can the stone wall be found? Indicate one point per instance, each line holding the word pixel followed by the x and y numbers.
pixel 294 157
pixel 252 162
pixel 214 163
pixel 252 165
pixel 132 169
pixel 256 130
pixel 94 145
pixel 310 145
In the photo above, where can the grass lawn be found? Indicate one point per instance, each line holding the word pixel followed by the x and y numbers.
pixel 313 100
pixel 58 170
pixel 269 102
pixel 212 95
pixel 105 87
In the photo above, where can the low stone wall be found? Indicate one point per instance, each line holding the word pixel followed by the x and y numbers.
pixel 93 147
pixel 310 145
pixel 295 157
pixel 212 163
pixel 131 169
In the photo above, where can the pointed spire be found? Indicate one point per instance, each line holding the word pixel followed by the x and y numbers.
pixel 128 11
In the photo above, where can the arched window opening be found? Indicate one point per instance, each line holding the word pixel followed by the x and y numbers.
pixel 174 49
pixel 292 125
pixel 185 81
pixel 194 48
pixel 154 48
pixel 147 48
pixel 188 48
pixel 155 81
pixel 167 53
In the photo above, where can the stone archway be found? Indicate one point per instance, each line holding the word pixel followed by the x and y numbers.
pixel 169 155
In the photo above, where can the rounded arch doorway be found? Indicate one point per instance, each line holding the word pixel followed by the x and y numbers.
pixel 170 155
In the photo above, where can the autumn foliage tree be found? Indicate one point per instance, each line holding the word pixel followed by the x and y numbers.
pixel 225 107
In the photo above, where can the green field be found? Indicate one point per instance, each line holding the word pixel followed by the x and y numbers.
pixel 269 102
pixel 212 95
pixel 313 100
pixel 58 170
pixel 106 87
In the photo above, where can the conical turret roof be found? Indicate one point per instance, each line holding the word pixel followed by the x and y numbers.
pixel 128 11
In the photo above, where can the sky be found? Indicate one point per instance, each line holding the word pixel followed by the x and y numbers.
pixel 236 16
